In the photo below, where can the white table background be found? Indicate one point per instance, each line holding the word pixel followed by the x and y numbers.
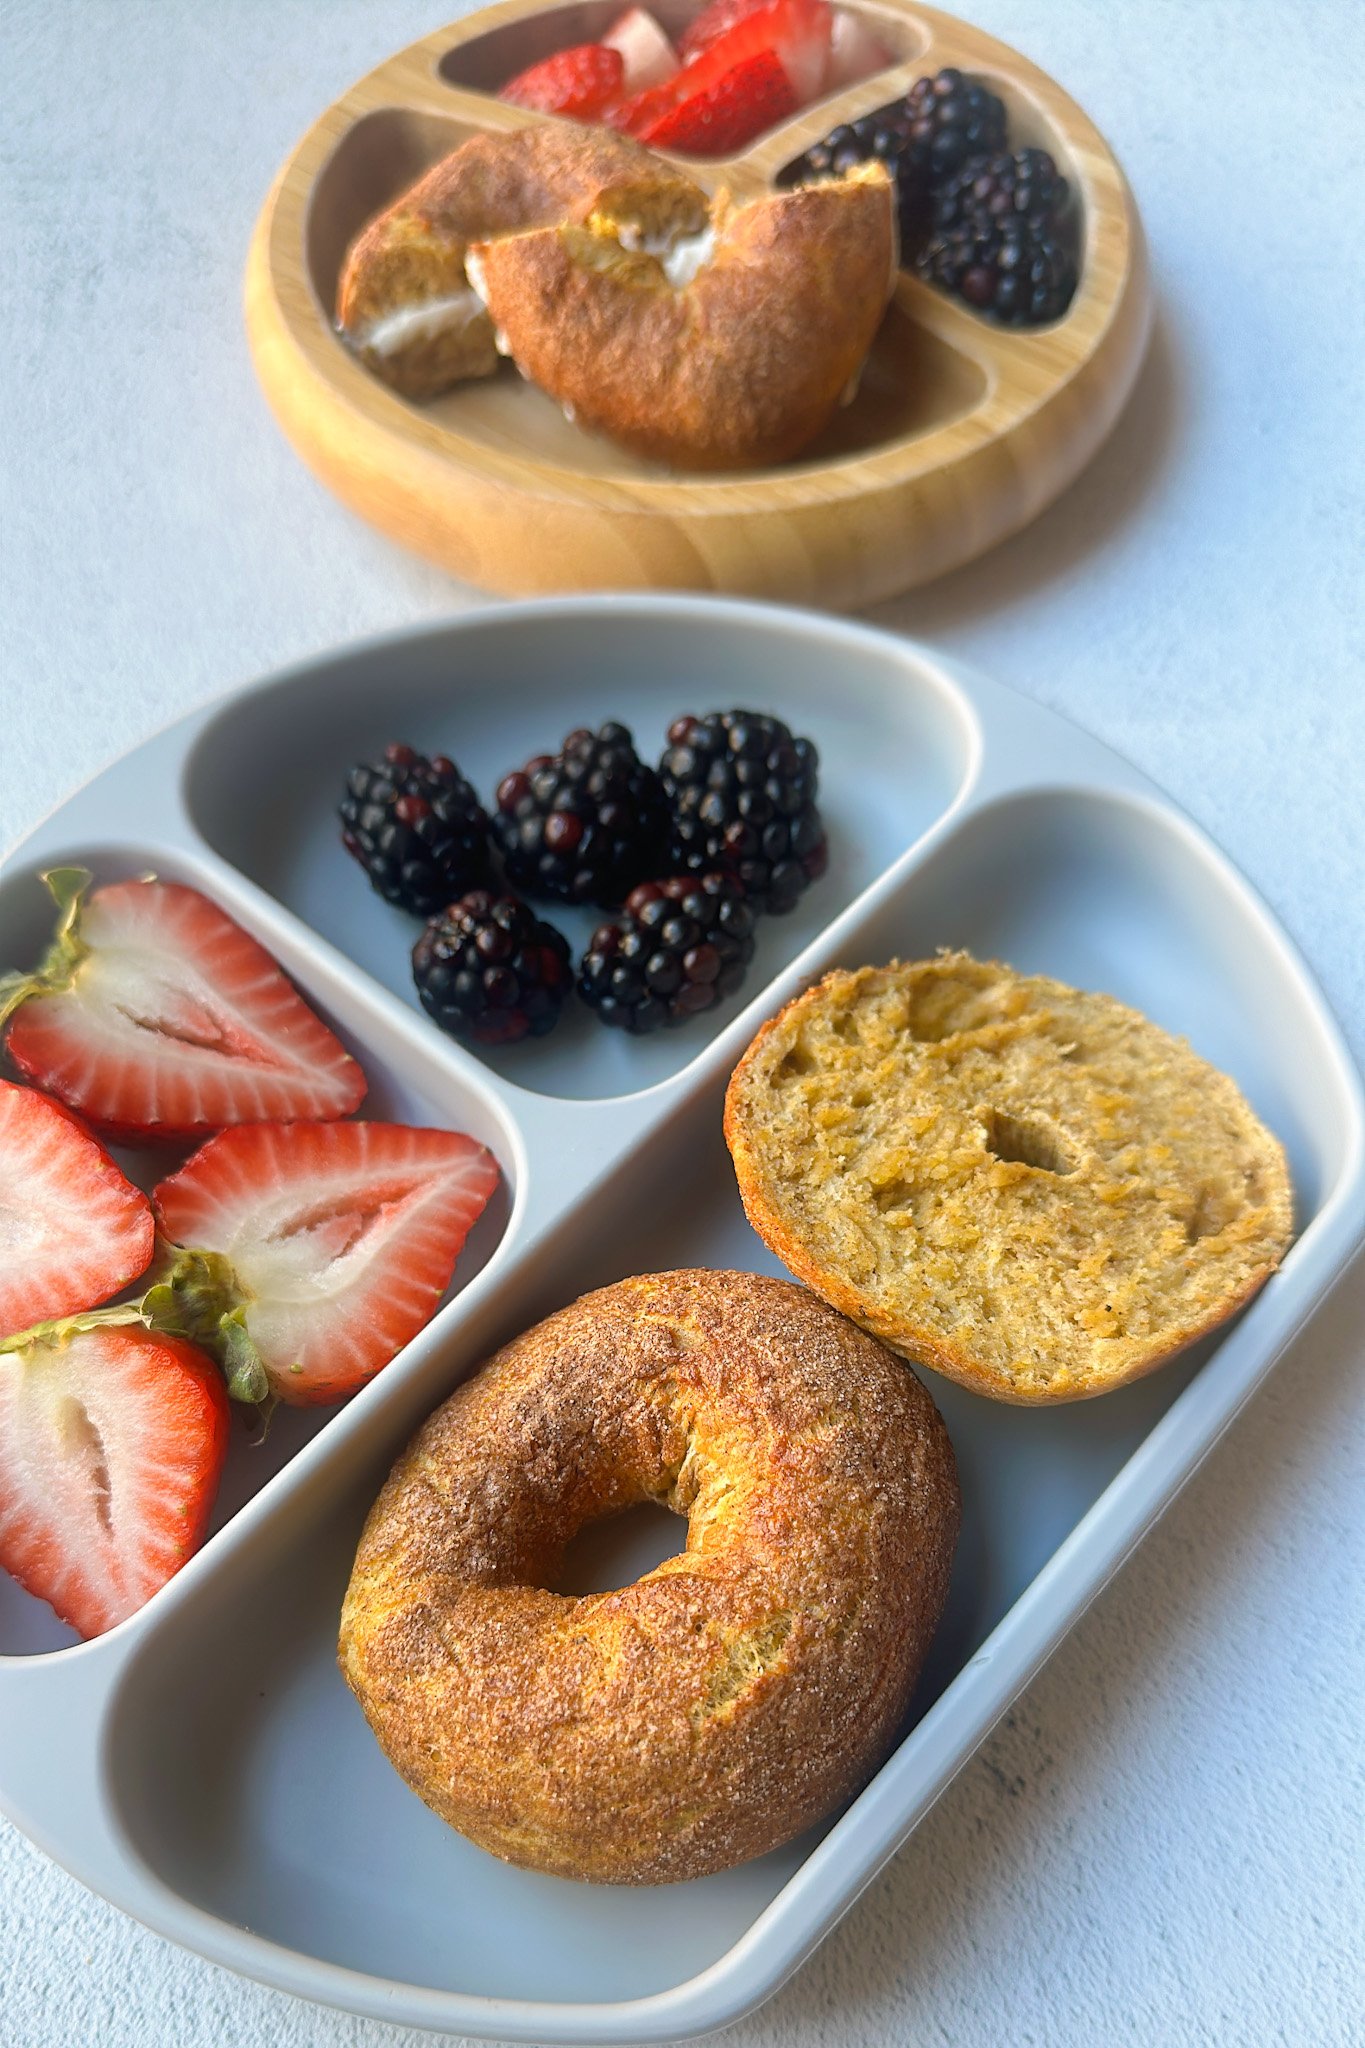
pixel 1163 1842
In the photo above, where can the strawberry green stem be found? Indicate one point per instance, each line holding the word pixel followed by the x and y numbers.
pixel 197 1297
pixel 64 955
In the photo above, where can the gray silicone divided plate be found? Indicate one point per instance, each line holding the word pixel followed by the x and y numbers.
pixel 203 1764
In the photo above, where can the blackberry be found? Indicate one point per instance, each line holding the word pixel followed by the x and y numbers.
pixel 416 827
pixel 922 139
pixel 584 824
pixel 681 947
pixel 1003 239
pixel 489 971
pixel 741 791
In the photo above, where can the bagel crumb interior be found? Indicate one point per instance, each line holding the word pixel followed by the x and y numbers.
pixel 1033 1189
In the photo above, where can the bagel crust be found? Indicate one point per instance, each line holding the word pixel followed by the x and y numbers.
pixel 1033 1190
pixel 404 300
pixel 741 1689
pixel 743 365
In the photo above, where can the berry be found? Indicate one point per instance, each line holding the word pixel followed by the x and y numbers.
pixel 490 972
pixel 1002 240
pixel 416 827
pixel 681 947
pixel 155 1016
pixel 115 1441
pixel 342 1239
pixel 793 35
pixel 73 1231
pixel 584 824
pixel 581 81
pixel 712 23
pixel 741 791
pixel 922 139
pixel 754 95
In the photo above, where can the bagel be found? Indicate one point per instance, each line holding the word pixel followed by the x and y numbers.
pixel 1033 1190
pixel 735 1693
pixel 404 301
pixel 723 348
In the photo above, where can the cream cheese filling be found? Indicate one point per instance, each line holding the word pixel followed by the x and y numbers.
pixel 426 321
pixel 679 257
pixel 478 284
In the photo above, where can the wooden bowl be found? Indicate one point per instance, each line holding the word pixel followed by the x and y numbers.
pixel 960 433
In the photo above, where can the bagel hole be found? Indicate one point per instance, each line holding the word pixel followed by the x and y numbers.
pixel 619 1549
pixel 1026 1141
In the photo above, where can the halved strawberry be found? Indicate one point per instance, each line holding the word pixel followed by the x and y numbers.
pixel 340 1240
pixel 73 1231
pixel 726 115
pixel 112 1444
pixel 648 56
pixel 156 1016
pixel 793 32
pixel 581 82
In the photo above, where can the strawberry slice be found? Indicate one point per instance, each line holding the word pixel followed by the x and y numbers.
pixel 112 1444
pixel 795 33
pixel 156 1016
pixel 73 1231
pixel 581 81
pixel 338 1239
pixel 729 113
pixel 712 23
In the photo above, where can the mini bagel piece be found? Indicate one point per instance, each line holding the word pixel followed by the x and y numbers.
pixel 735 1693
pixel 404 300
pixel 1033 1190
pixel 724 349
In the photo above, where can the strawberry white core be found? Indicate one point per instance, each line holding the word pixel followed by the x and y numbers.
pixel 342 1238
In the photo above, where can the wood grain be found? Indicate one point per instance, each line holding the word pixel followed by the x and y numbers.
pixel 961 432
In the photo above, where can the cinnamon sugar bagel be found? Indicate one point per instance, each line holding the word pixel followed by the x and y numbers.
pixel 1032 1189
pixel 739 1690
pixel 710 344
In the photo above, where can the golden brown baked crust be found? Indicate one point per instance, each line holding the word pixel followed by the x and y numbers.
pixel 740 367
pixel 413 254
pixel 734 1694
pixel 1030 1189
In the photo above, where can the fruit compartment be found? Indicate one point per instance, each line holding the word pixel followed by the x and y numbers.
pixel 486 61
pixel 406 1086
pixel 897 745
pixel 224 1768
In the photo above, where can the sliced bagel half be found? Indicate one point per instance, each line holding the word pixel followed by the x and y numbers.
pixel 721 341
pixel 404 301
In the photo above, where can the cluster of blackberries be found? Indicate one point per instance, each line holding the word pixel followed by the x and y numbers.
pixel 692 852
pixel 992 226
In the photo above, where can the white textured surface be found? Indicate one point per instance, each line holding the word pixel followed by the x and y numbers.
pixel 1163 1843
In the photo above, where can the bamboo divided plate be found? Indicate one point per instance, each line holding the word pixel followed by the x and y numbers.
pixel 961 431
